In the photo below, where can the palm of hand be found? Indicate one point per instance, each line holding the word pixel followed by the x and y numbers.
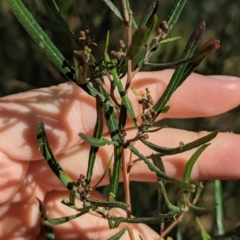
pixel 66 111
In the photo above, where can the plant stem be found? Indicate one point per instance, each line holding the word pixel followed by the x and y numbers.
pixel 172 225
pixel 219 208
pixel 125 12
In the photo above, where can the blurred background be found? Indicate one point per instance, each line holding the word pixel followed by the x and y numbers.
pixel 23 66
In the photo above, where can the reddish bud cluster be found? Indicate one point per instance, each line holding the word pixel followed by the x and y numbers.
pixel 162 29
pixel 122 135
pixel 82 189
pixel 148 114
pixel 117 55
pixel 85 38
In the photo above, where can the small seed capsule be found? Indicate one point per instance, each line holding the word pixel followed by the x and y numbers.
pixel 145 136
pixel 164 26
pixel 121 44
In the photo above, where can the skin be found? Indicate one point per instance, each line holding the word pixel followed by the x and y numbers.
pixel 66 110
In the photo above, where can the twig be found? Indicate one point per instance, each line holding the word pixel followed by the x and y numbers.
pixel 125 12
pixel 129 61
pixel 172 225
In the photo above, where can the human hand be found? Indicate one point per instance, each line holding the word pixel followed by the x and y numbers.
pixel 65 111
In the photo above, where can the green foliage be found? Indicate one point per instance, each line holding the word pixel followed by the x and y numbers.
pixel 90 74
pixel 40 37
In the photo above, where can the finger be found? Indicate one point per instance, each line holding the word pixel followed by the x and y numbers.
pixel 66 110
pixel 20 218
pixel 89 226
pixel 198 96
pixel 219 161
pixel 12 175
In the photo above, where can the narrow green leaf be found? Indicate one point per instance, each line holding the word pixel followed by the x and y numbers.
pixel 147 220
pixel 194 61
pixel 182 184
pixel 118 235
pixel 204 234
pixel 177 9
pixel 96 142
pixel 193 41
pixel 170 64
pixel 49 234
pixel 191 162
pixel 118 84
pixel 51 161
pixel 202 209
pixel 86 208
pixel 117 12
pixel 109 114
pixel 174 209
pixel 206 50
pixel 98 131
pixel 179 232
pixel 175 13
pixel 140 37
pixel 134 91
pixel 122 117
pixel 199 189
pixel 114 223
pixel 112 122
pixel 115 176
pixel 61 220
pixel 68 203
pixel 157 161
pixel 150 13
pixel 178 75
pixel 42 210
pixel 47 226
pixel 54 7
pixel 152 167
pixel 171 39
pixel 72 196
pixel 108 204
pixel 111 5
pixel 172 151
pixel 88 88
pixel 40 37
